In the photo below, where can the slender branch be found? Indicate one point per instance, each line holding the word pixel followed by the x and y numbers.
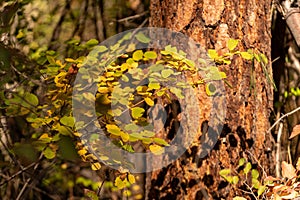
pixel 283 116
pixel 133 17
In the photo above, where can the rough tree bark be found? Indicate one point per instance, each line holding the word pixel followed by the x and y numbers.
pixel 211 24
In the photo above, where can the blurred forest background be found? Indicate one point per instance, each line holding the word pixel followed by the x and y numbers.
pixel 35 36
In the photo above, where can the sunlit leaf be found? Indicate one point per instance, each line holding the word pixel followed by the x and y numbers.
pixel 124 136
pixel 150 55
pixel 239 198
pixel 131 179
pixel 113 129
pixel 235 179
pixel 242 162
pixel 137 55
pixel 153 85
pixel 96 166
pixel 246 55
pixel 67 121
pixel 166 73
pixel 254 173
pixel 232 43
pixel 149 101
pixel 212 53
pixel 137 112
pixel 160 141
pixel 224 172
pixel 119 183
pixel 261 190
pixel 156 149
pixel 247 168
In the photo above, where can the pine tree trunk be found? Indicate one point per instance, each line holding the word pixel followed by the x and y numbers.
pixel 244 134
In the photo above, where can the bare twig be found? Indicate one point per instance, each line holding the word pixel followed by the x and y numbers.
pixel 133 17
pixel 283 116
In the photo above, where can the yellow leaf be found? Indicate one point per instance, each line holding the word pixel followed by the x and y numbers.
pixel 156 149
pixel 124 136
pixel 96 166
pixel 82 152
pixel 149 101
pixel 239 198
pixel 232 43
pixel 131 179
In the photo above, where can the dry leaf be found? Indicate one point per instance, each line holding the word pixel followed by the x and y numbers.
pixel 298 164
pixel 295 132
pixel 288 170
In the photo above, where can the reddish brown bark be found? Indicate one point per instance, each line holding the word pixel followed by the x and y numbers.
pixel 211 24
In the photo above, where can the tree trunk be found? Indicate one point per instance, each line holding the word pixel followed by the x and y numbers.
pixel 244 134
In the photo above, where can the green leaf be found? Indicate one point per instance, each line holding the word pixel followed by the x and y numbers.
pixel 137 112
pixel 131 127
pixel 67 121
pixel 64 130
pixel 49 153
pixel 150 55
pixel 166 73
pixel 137 55
pixel 142 38
pixel 147 133
pixel 160 141
pixel 246 55
pixel 224 172
pixel 31 99
pixel 100 48
pixel 92 42
pixel 261 190
pixel 232 43
pixel 264 58
pixel 156 67
pixel 171 49
pixel 247 168
pixel 255 183
pixel 177 92
pixel 91 194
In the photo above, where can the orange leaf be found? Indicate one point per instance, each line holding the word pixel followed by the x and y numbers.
pixel 295 132
pixel 288 170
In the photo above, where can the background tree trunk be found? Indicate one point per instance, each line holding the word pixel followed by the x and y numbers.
pixel 211 24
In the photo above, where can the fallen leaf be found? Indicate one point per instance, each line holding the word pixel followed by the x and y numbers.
pixel 288 170
pixel 295 132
